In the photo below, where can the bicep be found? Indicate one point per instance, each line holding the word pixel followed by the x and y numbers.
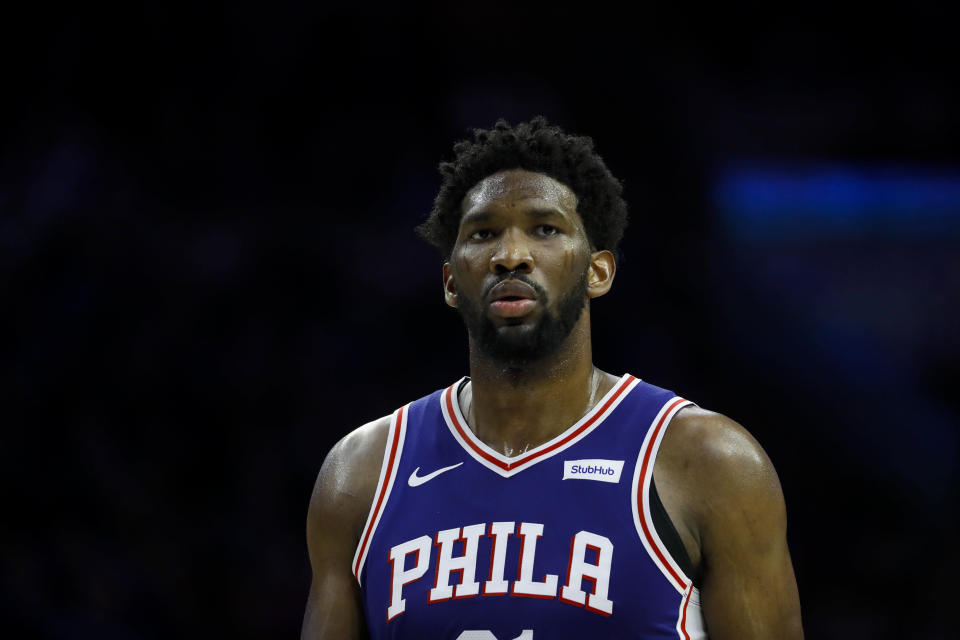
pixel 334 608
pixel 749 590
pixel 338 508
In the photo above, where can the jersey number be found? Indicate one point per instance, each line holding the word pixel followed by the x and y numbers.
pixel 488 635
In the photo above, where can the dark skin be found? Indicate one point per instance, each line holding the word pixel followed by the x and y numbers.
pixel 716 483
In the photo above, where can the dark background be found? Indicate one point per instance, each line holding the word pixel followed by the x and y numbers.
pixel 209 275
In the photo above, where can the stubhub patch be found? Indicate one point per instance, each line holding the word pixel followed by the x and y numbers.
pixel 601 470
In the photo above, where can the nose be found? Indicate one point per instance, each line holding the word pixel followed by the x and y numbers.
pixel 512 253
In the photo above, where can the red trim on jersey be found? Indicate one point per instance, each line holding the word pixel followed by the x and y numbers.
pixel 641 482
pixel 513 464
pixel 683 617
pixel 383 491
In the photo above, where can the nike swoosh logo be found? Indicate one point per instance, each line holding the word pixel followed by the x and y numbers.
pixel 415 481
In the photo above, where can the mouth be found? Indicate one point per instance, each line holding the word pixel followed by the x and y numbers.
pixel 512 299
pixel 512 308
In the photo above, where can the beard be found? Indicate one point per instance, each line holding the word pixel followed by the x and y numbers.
pixel 515 344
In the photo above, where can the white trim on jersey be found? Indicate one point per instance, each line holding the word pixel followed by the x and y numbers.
pixel 690 625
pixel 640 496
pixel 388 474
pixel 509 466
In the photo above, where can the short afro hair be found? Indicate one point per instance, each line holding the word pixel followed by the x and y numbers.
pixel 535 146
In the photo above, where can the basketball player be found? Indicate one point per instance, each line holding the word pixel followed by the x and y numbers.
pixel 540 497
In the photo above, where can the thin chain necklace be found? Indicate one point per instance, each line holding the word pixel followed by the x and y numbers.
pixel 591 400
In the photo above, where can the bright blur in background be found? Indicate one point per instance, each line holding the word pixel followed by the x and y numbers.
pixel 209 276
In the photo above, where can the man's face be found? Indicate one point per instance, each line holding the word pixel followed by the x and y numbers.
pixel 518 273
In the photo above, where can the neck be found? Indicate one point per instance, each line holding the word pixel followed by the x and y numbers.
pixel 516 408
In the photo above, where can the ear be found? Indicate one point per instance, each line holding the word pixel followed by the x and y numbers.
pixel 449 288
pixel 603 267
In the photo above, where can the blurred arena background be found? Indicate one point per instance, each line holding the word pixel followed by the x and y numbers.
pixel 209 275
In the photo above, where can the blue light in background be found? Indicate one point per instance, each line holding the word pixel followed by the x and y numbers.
pixel 762 203
pixel 871 325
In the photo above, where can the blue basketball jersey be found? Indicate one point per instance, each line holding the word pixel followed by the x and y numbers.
pixel 464 543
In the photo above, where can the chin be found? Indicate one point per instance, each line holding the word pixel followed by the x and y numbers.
pixel 518 343
pixel 517 336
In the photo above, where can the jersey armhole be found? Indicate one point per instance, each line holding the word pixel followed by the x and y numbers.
pixel 670 536
pixel 663 557
pixel 388 474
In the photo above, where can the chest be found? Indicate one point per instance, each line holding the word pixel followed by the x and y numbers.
pixel 553 549
pixel 464 543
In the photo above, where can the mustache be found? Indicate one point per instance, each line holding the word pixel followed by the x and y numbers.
pixel 515 275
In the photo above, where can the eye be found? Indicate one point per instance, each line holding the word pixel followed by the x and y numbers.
pixel 481 234
pixel 547 230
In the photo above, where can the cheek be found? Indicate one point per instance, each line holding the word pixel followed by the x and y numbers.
pixel 575 257
pixel 564 266
pixel 466 265
pixel 470 256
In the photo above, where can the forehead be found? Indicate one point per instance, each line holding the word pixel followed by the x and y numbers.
pixel 518 186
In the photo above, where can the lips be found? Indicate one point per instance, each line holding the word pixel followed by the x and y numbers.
pixel 512 299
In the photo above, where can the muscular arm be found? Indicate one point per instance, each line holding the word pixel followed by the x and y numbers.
pixel 726 491
pixel 338 511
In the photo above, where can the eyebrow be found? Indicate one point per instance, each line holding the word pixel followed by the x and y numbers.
pixel 476 217
pixel 482 216
pixel 546 212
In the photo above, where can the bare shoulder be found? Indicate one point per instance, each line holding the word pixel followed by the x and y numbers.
pixel 730 497
pixel 348 477
pixel 338 510
pixel 723 472
pixel 711 444
pixel 719 464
